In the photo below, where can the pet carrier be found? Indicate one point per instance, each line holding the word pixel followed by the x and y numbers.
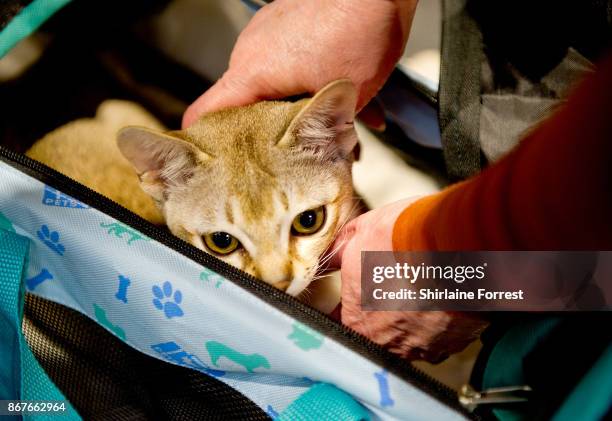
pixel 105 316
pixel 125 321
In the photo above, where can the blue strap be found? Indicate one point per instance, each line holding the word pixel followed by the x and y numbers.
pixel 27 21
pixel 13 252
pixel 21 376
pixel 324 401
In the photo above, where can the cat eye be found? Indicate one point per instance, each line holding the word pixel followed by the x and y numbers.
pixel 221 242
pixel 308 222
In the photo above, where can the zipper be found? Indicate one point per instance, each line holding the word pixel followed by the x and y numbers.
pixel 472 399
pixel 278 299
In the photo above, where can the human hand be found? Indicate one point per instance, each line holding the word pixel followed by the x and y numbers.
pixel 428 335
pixel 291 47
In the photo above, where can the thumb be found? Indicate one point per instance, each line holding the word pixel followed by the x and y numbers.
pixel 229 91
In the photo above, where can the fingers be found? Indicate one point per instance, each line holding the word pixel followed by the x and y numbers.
pixel 414 335
pixel 242 87
pixel 229 91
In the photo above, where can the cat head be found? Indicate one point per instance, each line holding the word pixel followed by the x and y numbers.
pixel 264 187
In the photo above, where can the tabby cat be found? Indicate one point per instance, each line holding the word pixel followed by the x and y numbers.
pixel 264 187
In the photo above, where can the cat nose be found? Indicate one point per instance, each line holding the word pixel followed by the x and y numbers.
pixel 277 274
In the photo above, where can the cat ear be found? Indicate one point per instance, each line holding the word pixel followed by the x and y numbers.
pixel 325 124
pixel 160 160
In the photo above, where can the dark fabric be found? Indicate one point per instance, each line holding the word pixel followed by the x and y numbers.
pixel 506 65
pixel 107 380
pixel 459 92
pixel 557 363
pixel 533 37
pixel 9 9
pixel 509 112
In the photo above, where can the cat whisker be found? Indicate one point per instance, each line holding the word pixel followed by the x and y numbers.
pixel 327 257
pixel 306 294
pixel 346 220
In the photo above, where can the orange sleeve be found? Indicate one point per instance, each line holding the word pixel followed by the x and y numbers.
pixel 553 192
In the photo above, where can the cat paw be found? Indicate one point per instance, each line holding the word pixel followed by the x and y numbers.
pixel 166 301
pixel 51 239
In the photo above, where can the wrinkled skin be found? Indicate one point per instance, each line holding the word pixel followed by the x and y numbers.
pixel 428 335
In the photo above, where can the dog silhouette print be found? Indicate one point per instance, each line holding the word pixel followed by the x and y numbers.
pixel 250 362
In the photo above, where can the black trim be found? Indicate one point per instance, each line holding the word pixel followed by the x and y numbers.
pixel 459 90
pixel 276 298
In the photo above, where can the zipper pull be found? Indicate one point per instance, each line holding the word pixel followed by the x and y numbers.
pixel 471 399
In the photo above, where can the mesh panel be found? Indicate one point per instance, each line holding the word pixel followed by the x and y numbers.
pixel 106 379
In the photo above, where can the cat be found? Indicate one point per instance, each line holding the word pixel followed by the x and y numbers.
pixel 264 187
pixel 86 151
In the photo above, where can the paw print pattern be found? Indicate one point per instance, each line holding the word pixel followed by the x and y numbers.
pixel 167 302
pixel 51 239
pixel 209 276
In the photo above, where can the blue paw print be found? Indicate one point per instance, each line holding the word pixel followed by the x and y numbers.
pixel 51 239
pixel 165 301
